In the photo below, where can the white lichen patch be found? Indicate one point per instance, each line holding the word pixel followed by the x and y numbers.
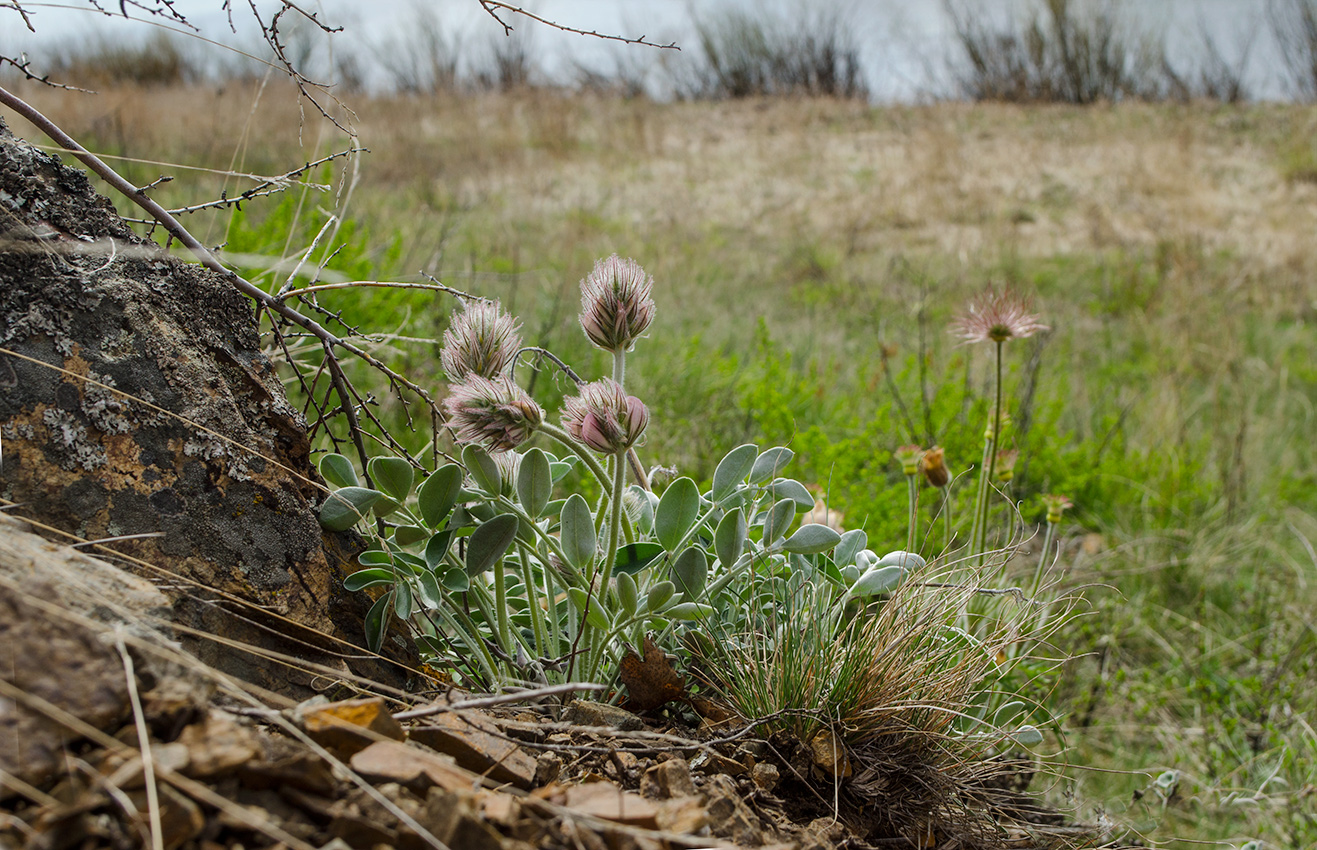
pixel 215 449
pixel 103 407
pixel 66 432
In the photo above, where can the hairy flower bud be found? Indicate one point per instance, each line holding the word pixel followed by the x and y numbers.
pixel 495 414
pixel 934 467
pixel 1005 469
pixel 481 340
pixel 604 417
pixel 909 457
pixel 615 303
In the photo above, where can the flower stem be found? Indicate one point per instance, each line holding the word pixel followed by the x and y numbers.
pixel 619 367
pixel 1048 538
pixel 536 615
pixel 501 606
pixel 946 510
pixel 615 522
pixel 577 449
pixel 914 508
pixel 988 469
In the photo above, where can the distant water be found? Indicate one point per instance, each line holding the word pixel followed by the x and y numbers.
pixel 905 44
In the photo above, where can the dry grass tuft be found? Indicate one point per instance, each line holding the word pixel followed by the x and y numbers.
pixel 903 684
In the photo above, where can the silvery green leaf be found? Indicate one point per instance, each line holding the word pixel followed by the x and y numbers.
pixel 347 506
pixel 429 593
pixel 409 562
pixel 385 505
pixel 594 612
pixel 558 469
pixel 403 602
pixel 729 538
pixel 1028 736
pixel 876 580
pixel 489 542
pixel 688 611
pixel 482 469
pixel 634 557
pixel 770 464
pixel 732 470
pixel 851 544
pixel 406 535
pixel 788 488
pixel 908 561
pixel 437 548
pixel 534 482
pixel 456 580
pixel 659 595
pixel 393 475
pixel 778 521
pixel 338 471
pixel 850 573
pixel 374 557
pixel 438 493
pixel 1008 712
pixel 690 572
pixel 676 513
pixel 376 621
pixel 627 593
pixel 811 539
pixel 578 534
pixel 362 579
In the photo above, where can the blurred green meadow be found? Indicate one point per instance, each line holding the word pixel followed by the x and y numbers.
pixel 809 255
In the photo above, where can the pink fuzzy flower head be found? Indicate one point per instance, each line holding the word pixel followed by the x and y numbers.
pixel 481 340
pixel 1056 505
pixel 615 303
pixel 604 417
pixel 997 316
pixel 495 414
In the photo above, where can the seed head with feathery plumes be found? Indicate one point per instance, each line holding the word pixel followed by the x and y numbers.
pixel 604 417
pixel 481 340
pixel 615 303
pixel 996 316
pixel 493 413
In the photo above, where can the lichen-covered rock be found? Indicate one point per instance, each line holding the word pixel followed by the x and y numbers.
pixel 150 408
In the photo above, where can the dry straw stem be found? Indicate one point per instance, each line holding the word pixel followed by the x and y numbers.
pixel 163 649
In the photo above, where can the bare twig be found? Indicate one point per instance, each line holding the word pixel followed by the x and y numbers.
pixel 493 7
pixel 353 284
pixel 24 65
pixel 501 699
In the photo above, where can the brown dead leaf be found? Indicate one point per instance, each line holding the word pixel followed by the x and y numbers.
pixel 652 682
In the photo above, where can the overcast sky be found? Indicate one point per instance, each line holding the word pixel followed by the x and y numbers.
pixel 904 42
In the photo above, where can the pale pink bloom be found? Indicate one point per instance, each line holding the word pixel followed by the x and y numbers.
pixel 496 414
pixel 604 417
pixel 615 303
pixel 481 340
pixel 997 316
